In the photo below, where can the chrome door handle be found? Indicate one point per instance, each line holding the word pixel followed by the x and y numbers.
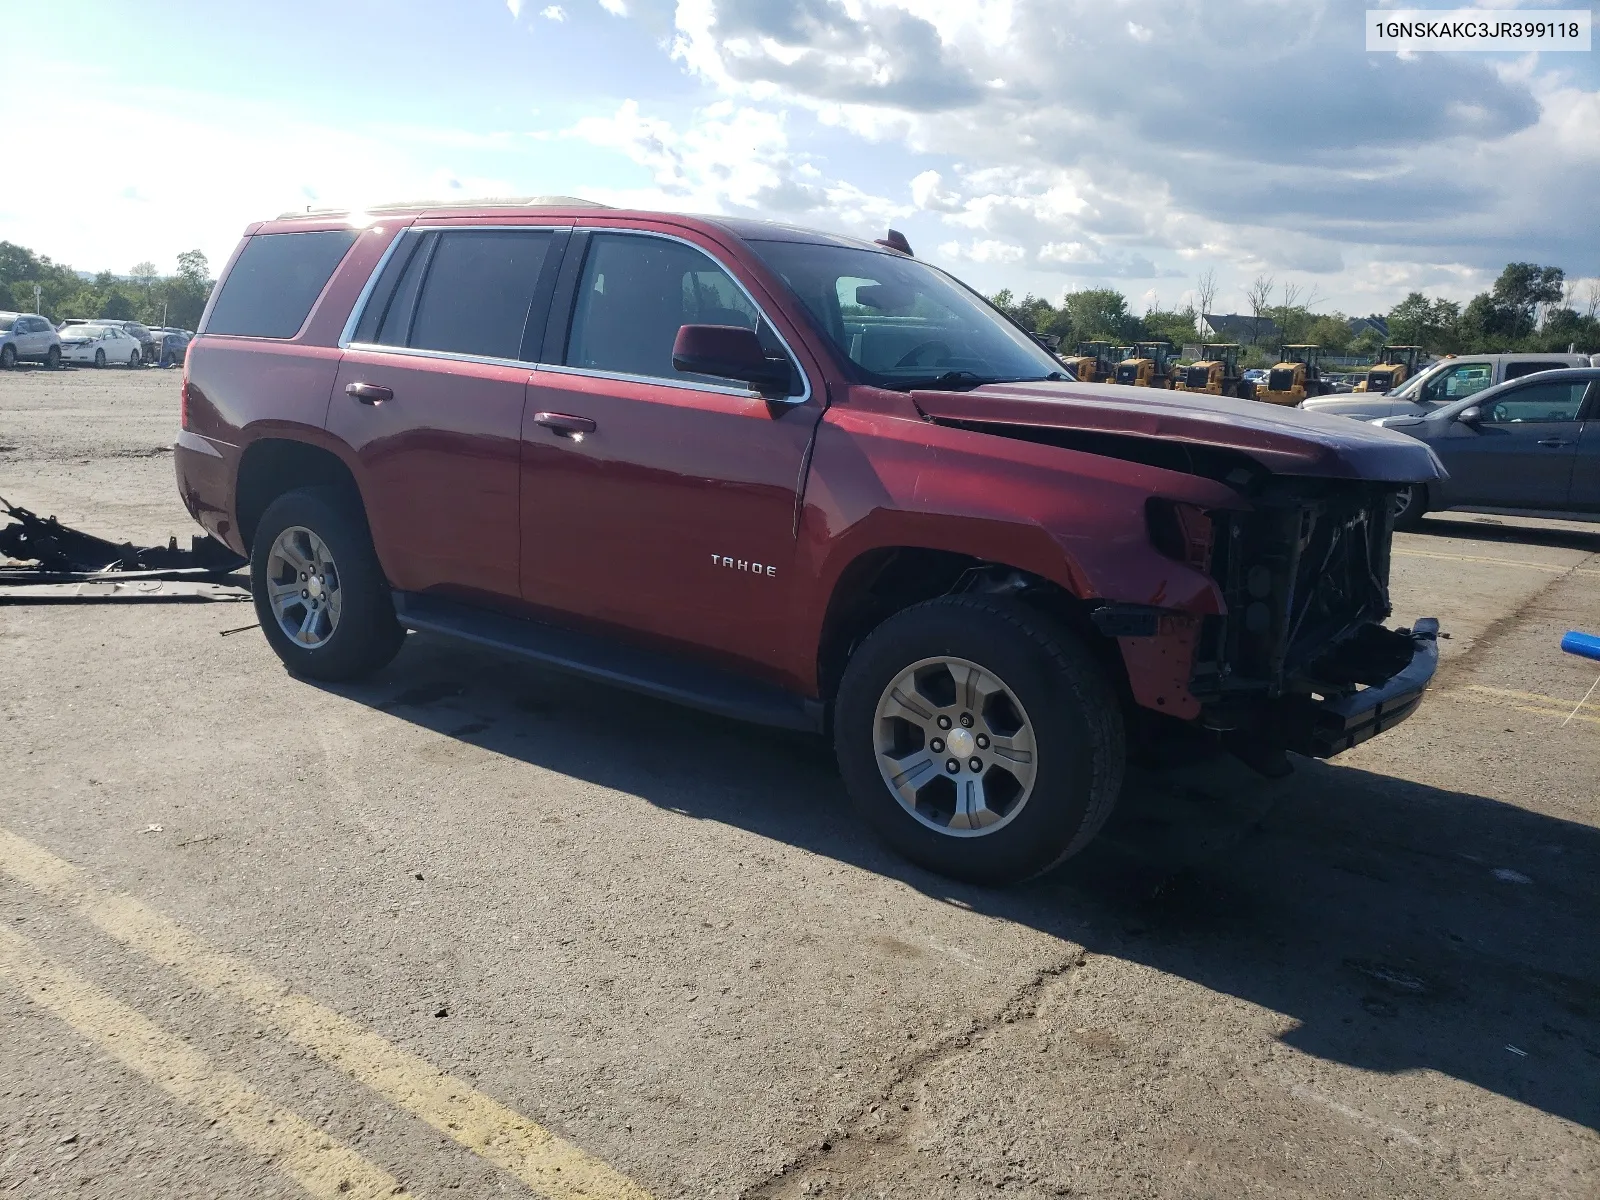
pixel 369 393
pixel 1555 441
pixel 564 425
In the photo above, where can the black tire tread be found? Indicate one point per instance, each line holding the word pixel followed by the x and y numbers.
pixel 1083 677
pixel 373 636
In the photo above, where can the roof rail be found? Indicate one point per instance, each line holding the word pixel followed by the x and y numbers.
pixel 478 202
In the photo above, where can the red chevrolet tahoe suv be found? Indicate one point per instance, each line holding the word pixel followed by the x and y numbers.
pixel 794 478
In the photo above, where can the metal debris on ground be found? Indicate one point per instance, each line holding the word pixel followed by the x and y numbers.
pixel 49 562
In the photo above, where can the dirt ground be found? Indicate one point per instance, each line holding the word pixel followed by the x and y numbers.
pixel 469 928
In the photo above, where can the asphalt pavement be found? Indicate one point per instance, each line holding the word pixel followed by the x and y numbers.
pixel 470 928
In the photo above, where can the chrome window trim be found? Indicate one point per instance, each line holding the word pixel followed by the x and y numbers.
pixel 689 385
pixel 356 311
pixel 805 379
pixel 448 355
pixel 360 306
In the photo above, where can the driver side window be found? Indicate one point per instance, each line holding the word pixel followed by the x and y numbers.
pixel 1463 380
pixel 1544 402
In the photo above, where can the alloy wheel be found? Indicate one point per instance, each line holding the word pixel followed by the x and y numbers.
pixel 303 587
pixel 955 746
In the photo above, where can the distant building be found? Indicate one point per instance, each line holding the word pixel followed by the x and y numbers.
pixel 1379 325
pixel 1239 327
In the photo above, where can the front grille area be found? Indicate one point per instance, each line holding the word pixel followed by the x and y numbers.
pixel 1198 378
pixel 1302 576
pixel 1281 379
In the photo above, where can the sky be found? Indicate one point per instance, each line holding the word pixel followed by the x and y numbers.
pixel 1040 145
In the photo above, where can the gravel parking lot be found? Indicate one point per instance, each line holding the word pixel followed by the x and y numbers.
pixel 470 928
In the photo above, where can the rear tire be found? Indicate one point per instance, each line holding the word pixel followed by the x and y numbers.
pixel 8 356
pixel 1410 506
pixel 1042 792
pixel 356 632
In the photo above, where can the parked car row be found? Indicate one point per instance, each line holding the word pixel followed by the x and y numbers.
pixel 1518 433
pixel 29 337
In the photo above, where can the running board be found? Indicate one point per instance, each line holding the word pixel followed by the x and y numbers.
pixel 648 672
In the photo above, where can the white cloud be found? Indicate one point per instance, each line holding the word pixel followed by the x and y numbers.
pixel 553 12
pixel 617 8
pixel 729 158
pixel 516 8
pixel 1121 146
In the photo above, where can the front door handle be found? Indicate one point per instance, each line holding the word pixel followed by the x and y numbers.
pixel 564 425
pixel 369 393
pixel 1554 441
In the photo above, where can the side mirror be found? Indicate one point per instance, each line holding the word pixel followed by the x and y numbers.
pixel 1470 416
pixel 732 352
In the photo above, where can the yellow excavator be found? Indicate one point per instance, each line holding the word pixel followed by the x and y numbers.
pixel 1148 364
pixel 1395 365
pixel 1091 364
pixel 1215 372
pixel 1296 375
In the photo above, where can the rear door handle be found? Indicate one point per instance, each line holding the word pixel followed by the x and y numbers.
pixel 369 393
pixel 1555 441
pixel 564 424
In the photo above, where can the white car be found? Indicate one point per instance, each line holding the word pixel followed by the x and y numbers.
pixel 28 337
pixel 100 345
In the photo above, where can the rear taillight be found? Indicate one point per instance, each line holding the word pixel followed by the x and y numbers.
pixel 1181 531
pixel 183 401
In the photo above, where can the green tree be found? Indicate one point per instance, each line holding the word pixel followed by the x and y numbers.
pixel 1101 313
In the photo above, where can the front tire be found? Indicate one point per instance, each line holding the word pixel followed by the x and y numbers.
pixel 135 359
pixel 1410 506
pixel 99 358
pixel 320 594
pixel 979 739
pixel 52 358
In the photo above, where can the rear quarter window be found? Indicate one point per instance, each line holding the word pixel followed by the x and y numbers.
pixel 1517 370
pixel 275 281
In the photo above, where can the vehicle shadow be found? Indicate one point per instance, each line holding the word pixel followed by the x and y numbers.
pixel 1528 535
pixel 1366 908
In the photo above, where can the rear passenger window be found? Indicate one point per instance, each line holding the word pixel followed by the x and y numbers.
pixel 1519 369
pixel 476 293
pixel 461 291
pixel 275 281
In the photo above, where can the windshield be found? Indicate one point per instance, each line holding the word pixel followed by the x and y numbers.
pixel 903 323
pixel 1409 389
pixel 84 331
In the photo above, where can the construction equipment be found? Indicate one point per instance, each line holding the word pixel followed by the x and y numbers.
pixel 1148 364
pixel 1395 365
pixel 1296 375
pixel 1215 372
pixel 1093 363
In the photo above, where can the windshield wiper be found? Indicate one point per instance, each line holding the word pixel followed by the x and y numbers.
pixel 962 380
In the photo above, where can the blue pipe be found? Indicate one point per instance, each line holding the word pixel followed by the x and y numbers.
pixel 1584 644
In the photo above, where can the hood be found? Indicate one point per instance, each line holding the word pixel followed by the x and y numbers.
pixel 1365 409
pixel 1285 441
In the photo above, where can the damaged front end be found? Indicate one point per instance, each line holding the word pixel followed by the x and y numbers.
pixel 1300 660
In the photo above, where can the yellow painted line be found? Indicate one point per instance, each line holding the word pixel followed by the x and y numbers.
pixel 1554 569
pixel 550 1165
pixel 1534 702
pixel 318 1163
